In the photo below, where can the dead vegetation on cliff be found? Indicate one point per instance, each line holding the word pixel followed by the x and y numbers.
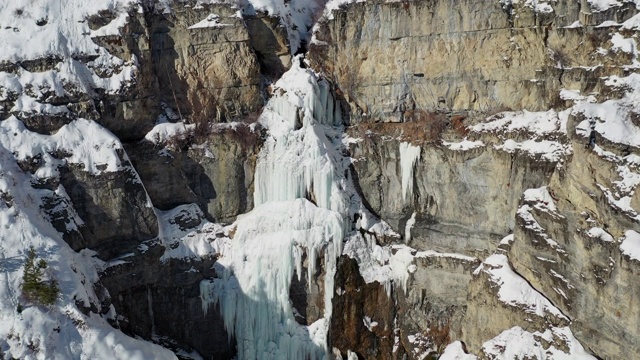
pixel 200 126
pixel 419 127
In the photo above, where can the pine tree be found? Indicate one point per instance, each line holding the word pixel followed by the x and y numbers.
pixel 31 277
pixel 34 289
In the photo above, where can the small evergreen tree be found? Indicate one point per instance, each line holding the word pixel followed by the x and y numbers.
pixel 34 289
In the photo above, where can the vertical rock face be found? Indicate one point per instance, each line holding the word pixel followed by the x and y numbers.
pixel 392 58
pixel 217 175
pixel 435 303
pixel 204 66
pixel 498 225
pixel 162 303
pixel 442 71
pixel 588 262
pixel 470 195
pixel 115 209
pixel 201 60
pixel 363 315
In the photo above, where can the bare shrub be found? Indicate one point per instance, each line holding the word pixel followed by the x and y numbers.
pixel 203 116
pixel 419 127
pixel 423 125
pixel 598 37
pixel 557 102
pixel 249 137
pixel 497 109
pixel 180 141
pixel 457 122
pixel 559 57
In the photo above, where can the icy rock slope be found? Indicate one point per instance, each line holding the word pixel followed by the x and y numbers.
pixel 53 60
pixel 50 60
pixel 61 331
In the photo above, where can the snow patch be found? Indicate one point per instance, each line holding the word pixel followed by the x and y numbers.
pixel 630 245
pixel 547 150
pixel 600 234
pixel 463 145
pixel 537 123
pixel 408 226
pixel 514 290
pixel 83 142
pixel 541 199
pixel 454 351
pixel 517 343
pixel 212 21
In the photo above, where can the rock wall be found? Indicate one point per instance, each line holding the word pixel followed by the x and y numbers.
pixel 393 58
pixel 470 195
pixel 441 70
pixel 438 75
pixel 217 175
pixel 160 301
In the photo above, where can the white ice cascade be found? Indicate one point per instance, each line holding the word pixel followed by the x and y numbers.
pixel 409 155
pixel 300 210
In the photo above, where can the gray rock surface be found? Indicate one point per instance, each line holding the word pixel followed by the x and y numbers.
pixel 217 174
pixel 392 58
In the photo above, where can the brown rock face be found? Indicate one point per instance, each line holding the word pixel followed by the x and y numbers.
pixel 210 70
pixel 363 315
pixel 467 195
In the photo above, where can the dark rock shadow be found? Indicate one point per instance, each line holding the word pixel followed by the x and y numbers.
pixel 160 302
pixel 121 229
pixel 11 264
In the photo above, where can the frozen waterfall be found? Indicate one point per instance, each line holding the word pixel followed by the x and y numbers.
pixel 300 208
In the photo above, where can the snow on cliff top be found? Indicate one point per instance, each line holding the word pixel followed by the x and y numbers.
pixel 602 5
pixel 87 144
pixel 56 36
pixel 611 119
pixel 545 132
pixel 45 27
pixel 296 16
pixel 631 244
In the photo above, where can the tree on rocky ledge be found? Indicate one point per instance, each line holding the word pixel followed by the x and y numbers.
pixel 34 288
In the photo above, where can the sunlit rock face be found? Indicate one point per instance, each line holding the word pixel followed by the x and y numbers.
pixel 310 180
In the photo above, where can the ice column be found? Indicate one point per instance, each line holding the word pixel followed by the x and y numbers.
pixel 409 155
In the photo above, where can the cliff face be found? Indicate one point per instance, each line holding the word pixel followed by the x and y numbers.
pixel 450 66
pixel 432 178
pixel 392 59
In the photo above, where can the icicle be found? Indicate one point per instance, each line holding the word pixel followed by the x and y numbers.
pixel 409 155
pixel 408 226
